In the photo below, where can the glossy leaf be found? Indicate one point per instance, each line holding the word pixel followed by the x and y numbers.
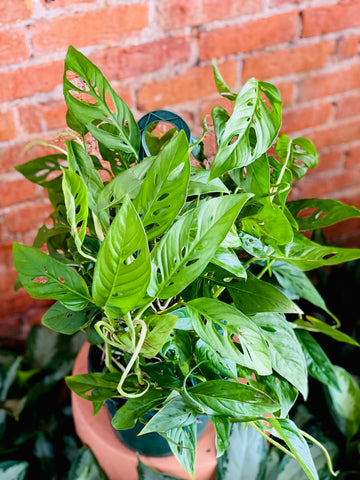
pixel 216 363
pixel 85 467
pixel 222 323
pixel 102 385
pixel 44 277
pixel 159 328
pixel 189 245
pixel 312 324
pixel 227 259
pixel 346 402
pixel 163 191
pixel 122 270
pixel 63 320
pixel 103 105
pixel 287 357
pixel 182 441
pixel 251 128
pixel 199 183
pixel 314 213
pixel 318 363
pixel 40 169
pixel 221 86
pixel 222 430
pixel 297 154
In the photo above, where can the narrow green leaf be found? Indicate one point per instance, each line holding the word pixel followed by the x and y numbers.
pixel 222 429
pixel 227 259
pixel 102 385
pixel 63 320
pixel 220 118
pixel 122 270
pixel 183 445
pixel 199 183
pixel 44 277
pixel 312 324
pixel 221 86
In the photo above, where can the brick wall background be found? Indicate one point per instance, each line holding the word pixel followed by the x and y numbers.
pixel 157 54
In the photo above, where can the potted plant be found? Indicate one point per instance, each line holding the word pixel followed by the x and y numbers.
pixel 185 276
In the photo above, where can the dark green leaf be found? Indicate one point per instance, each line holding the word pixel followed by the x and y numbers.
pixel 222 429
pixel 147 473
pixel 103 385
pixel 13 470
pixel 85 467
pixel 63 320
pixel 39 169
pixel 216 363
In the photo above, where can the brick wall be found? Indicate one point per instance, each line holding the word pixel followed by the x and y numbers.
pixel 157 53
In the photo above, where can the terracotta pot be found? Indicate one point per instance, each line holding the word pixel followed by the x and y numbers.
pixel 118 461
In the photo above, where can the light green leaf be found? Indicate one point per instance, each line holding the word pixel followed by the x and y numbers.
pixel 216 363
pixel 163 191
pixel 251 128
pixel 159 328
pixel 63 320
pixel 312 324
pixel 199 183
pixel 296 154
pixel 222 429
pixel 185 250
pixel 221 86
pixel 44 277
pixel 227 259
pixel 287 357
pixel 102 385
pixel 223 323
pixel 220 118
pixel 183 445
pixel 122 270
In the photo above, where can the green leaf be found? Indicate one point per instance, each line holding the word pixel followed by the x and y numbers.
pixel 184 251
pixel 63 320
pixel 221 86
pixel 216 363
pixel 182 441
pixel 307 255
pixel 222 323
pixel 245 456
pixel 134 408
pixel 76 201
pixel 287 431
pixel 233 399
pixel 287 357
pixel 40 169
pixel 108 106
pixel 220 118
pixel 313 213
pixel 199 183
pixel 122 270
pixel 103 385
pixel 312 324
pixel 13 470
pixel 163 191
pixel 227 259
pixel 222 429
pixel 174 414
pixel 297 154
pixel 346 402
pixel 44 277
pixel 318 363
pixel 253 296
pixel 147 473
pixel 85 467
pixel 159 328
pixel 251 128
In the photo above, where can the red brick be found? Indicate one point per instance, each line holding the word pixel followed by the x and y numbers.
pixel 51 4
pixel 345 233
pixel 289 60
pixel 26 81
pixel 16 191
pixel 299 118
pixel 330 186
pixel 6 254
pixel 335 135
pixel 14 303
pixel 215 10
pixel 194 84
pixel 329 161
pixel 43 117
pixel 14 155
pixel 353 158
pixel 277 3
pixel 348 106
pixel 249 36
pixel 15 11
pixel 331 18
pixel 89 28
pixel 7 126
pixel 7 279
pixel 120 63
pixel 28 217
pixel 333 83
pixel 349 46
pixel 287 90
pixel 13 46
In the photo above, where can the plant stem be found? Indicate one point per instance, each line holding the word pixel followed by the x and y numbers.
pixel 271 440
pixel 282 172
pixel 326 453
pixel 265 269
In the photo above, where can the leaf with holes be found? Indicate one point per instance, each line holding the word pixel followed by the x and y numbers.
pixel 163 191
pixel 63 320
pixel 297 155
pixel 44 277
pixel 159 328
pixel 286 354
pixel 307 255
pixel 199 183
pixel 41 170
pixel 251 128
pixel 314 213
pixel 230 333
pixel 122 269
pixel 91 100
pixel 185 250
pixel 76 202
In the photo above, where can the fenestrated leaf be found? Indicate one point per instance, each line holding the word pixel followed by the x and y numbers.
pixel 184 251
pixel 289 433
pixel 183 445
pixel 228 260
pixel 287 357
pixel 39 169
pixel 297 154
pixel 163 191
pixel 233 399
pixel 313 324
pixel 251 128
pixel 63 320
pixel 108 106
pixel 199 184
pixel 13 470
pixel 346 402
pixel 159 329
pixel 222 429
pixel 122 270
pixel 318 363
pixel 313 213
pixel 222 323
pixel 173 414
pixel 135 408
pixel 44 277
pixel 307 255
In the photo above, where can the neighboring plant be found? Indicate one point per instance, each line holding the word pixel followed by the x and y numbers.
pixel 183 275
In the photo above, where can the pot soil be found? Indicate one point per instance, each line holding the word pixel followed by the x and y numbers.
pixel 117 460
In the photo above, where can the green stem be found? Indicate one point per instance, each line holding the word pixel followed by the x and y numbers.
pixel 282 172
pixel 271 440
pixel 218 292
pixel 265 269
pixel 326 453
